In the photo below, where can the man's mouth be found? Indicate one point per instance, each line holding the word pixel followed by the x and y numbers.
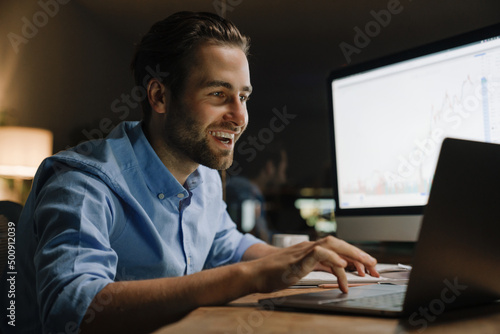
pixel 223 137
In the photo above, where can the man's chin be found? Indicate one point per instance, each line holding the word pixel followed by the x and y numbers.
pixel 218 162
pixel 224 164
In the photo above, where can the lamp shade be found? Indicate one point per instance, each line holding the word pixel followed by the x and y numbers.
pixel 22 150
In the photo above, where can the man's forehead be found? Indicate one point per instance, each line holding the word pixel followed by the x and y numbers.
pixel 220 66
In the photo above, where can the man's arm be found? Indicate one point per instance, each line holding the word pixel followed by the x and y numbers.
pixel 145 305
pixel 256 251
pixel 142 306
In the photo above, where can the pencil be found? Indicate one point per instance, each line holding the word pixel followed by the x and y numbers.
pixel 335 286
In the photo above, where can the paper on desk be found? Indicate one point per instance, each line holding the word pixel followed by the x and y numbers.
pixel 392 268
pixel 321 277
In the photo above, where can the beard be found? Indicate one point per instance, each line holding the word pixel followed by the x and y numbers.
pixel 184 134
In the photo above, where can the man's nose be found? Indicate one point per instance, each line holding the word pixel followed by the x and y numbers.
pixel 237 113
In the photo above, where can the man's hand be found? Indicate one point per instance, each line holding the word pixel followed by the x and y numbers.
pixel 285 267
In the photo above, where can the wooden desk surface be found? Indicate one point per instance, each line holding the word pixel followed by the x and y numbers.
pixel 244 316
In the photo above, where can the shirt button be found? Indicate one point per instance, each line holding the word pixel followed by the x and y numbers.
pixel 161 196
pixel 189 260
pixel 180 195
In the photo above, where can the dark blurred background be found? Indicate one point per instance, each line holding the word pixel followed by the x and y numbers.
pixel 69 71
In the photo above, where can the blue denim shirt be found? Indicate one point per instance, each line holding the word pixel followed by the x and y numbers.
pixel 106 211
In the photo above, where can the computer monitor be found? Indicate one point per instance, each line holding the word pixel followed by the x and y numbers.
pixel 388 119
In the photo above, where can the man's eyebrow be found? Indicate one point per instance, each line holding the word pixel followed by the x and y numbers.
pixel 225 84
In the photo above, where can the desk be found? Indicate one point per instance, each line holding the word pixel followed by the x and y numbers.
pixel 243 316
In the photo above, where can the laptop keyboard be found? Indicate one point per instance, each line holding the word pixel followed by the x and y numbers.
pixel 387 301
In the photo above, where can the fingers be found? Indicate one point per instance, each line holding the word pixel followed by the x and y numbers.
pixel 328 257
pixel 334 262
pixel 373 271
pixel 330 253
pixel 348 251
pixel 341 278
pixel 361 260
pixel 303 258
pixel 360 268
pixel 317 256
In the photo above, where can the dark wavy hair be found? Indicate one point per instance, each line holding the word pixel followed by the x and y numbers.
pixel 165 51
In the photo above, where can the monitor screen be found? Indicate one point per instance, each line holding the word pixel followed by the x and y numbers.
pixel 390 116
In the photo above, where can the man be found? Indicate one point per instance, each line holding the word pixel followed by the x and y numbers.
pixel 135 234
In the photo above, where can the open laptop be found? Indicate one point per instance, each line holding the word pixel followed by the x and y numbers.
pixel 457 259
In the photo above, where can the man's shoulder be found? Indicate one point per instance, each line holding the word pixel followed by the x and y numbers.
pixel 105 158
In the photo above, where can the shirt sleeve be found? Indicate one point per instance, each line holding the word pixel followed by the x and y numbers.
pixel 73 260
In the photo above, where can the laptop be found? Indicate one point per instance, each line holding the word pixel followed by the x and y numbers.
pixel 457 257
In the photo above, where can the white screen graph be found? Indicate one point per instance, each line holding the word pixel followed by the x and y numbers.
pixel 389 123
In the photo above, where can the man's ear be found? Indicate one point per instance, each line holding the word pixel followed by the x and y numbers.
pixel 157 96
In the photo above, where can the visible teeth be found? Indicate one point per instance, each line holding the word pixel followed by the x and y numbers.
pixel 221 134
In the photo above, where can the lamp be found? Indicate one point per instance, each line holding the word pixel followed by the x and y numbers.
pixel 22 149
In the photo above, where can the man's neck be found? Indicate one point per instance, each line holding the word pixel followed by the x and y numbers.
pixel 179 165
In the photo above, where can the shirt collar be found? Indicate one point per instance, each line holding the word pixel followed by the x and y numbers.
pixel 157 176
pixel 193 180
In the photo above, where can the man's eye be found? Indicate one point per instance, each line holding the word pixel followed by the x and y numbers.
pixel 244 98
pixel 219 94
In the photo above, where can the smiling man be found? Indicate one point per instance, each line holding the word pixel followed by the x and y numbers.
pixel 135 234
pixel 202 125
